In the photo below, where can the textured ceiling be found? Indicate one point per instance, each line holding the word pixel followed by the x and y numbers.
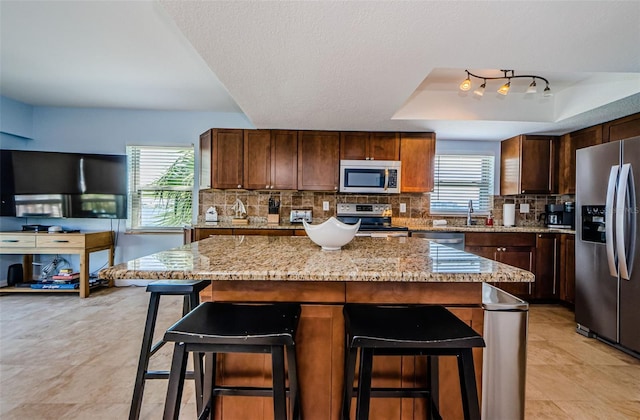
pixel 331 65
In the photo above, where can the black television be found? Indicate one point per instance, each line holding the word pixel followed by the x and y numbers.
pixel 55 184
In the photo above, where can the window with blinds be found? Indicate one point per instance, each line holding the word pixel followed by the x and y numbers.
pixel 160 187
pixel 460 178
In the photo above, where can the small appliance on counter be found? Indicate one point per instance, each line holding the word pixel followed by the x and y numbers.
pixel 297 216
pixel 559 216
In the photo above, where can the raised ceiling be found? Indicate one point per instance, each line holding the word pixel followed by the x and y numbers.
pixel 330 65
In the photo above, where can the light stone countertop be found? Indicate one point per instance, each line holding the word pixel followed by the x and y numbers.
pixel 297 258
pixel 412 227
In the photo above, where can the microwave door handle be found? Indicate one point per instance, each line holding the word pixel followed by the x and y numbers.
pixel 386 179
pixel 608 221
pixel 625 194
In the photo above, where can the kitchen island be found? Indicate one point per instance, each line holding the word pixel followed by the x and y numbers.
pixel 371 270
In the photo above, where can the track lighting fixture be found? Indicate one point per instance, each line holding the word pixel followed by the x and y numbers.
pixel 504 89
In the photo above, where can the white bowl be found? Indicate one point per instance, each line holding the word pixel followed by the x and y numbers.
pixel 332 234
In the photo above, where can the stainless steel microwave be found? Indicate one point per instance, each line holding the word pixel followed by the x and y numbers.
pixel 370 176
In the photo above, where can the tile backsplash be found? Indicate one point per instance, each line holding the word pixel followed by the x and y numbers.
pixel 256 203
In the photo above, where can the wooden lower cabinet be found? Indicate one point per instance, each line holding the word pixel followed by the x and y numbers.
pixel 320 348
pixel 547 266
pixel 516 249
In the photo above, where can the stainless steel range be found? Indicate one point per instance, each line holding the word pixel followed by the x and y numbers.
pixel 375 219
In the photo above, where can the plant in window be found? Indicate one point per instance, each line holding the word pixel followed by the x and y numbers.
pixel 172 201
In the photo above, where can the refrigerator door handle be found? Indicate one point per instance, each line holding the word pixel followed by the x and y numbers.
pixel 608 221
pixel 626 193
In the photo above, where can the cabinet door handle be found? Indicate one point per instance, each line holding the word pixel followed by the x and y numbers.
pixel 10 240
pixel 60 241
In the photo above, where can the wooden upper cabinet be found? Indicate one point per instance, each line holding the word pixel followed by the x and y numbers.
pixel 417 153
pixel 369 146
pixel 205 159
pixel 284 160
pixel 318 160
pixel 257 159
pixel 569 143
pixel 227 158
pixel 526 165
pixel 622 128
pixel 270 159
pixel 353 145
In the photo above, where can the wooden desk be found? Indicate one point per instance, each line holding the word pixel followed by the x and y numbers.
pixel 31 243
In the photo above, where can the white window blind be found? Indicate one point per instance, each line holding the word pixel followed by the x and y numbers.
pixel 460 178
pixel 160 186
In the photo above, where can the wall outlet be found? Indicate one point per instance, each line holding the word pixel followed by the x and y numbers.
pixel 524 208
pixel 325 205
pixel 403 207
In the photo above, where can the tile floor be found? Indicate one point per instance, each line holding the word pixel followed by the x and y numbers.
pixel 62 357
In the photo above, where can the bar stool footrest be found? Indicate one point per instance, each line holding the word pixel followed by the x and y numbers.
pixel 250 391
pixel 164 374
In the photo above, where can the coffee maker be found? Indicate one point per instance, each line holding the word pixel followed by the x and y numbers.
pixel 560 216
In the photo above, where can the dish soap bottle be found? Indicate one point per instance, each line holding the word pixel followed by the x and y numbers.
pixel 489 221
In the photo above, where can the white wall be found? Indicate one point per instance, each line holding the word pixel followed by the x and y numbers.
pixel 106 131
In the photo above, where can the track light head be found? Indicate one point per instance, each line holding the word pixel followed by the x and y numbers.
pixel 504 89
pixel 480 90
pixel 466 84
pixel 532 87
pixel 547 92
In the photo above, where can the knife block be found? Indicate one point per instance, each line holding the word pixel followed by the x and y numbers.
pixel 273 219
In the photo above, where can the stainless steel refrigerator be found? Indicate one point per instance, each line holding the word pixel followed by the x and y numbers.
pixel 607 300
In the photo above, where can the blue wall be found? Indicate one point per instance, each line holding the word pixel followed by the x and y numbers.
pixel 102 131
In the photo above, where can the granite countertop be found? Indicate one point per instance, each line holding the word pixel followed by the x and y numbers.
pixel 297 258
pixel 482 228
pixel 412 227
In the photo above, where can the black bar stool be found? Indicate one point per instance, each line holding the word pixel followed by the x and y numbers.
pixel 190 289
pixel 429 330
pixel 215 327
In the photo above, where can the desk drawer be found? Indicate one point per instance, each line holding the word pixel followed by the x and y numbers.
pixel 60 241
pixel 17 241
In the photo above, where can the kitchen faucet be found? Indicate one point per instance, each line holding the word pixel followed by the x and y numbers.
pixel 469 211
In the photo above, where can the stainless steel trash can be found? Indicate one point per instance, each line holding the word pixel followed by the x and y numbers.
pixel 504 361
